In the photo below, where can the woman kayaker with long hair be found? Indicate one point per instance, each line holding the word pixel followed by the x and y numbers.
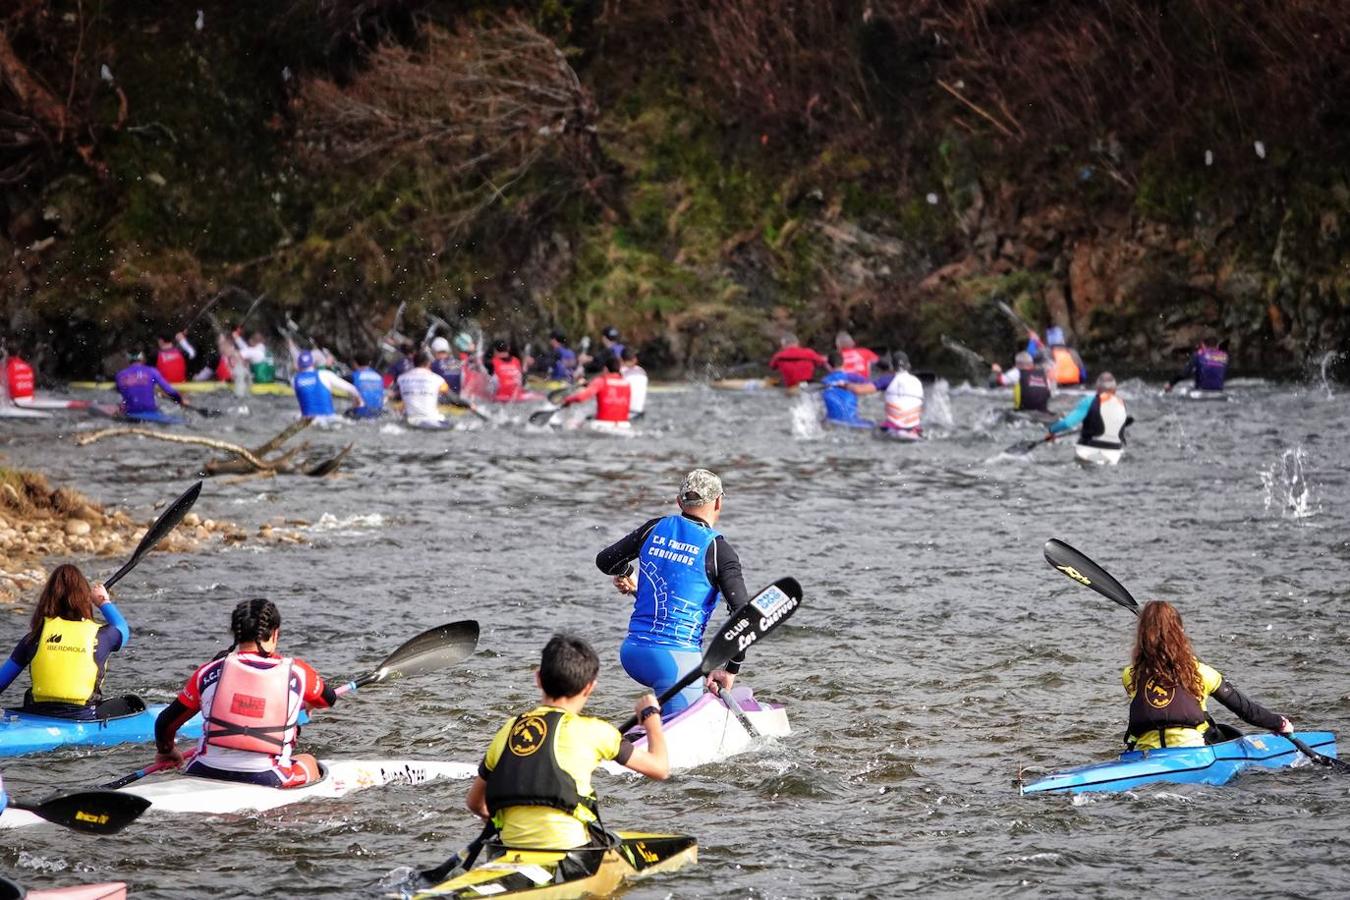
pixel 66 650
pixel 250 699
pixel 1170 710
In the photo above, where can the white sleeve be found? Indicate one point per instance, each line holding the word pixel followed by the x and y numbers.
pixel 188 348
pixel 337 384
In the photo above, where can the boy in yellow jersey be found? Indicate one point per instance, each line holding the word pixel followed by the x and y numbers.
pixel 535 780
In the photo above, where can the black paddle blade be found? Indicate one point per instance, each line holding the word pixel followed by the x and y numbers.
pixel 1022 448
pixel 542 417
pixel 93 812
pixel 1077 566
pixel 434 649
pixel 1336 765
pixel 167 521
pixel 557 395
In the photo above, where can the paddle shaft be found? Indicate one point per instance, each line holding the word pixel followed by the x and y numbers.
pixel 166 522
pixel 1078 567
pixel 729 701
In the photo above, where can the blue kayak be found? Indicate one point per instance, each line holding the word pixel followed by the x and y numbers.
pixel 24 732
pixel 1214 764
pixel 159 418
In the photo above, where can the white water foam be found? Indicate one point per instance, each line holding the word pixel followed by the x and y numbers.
pixel 807 415
pixel 937 406
pixel 1287 487
pixel 330 522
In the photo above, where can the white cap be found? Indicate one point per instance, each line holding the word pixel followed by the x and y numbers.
pixel 440 345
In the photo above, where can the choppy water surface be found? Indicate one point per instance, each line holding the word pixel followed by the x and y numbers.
pixel 936 655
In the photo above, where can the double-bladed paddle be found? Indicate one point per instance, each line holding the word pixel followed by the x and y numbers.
pixel 93 812
pixel 433 649
pixel 1077 566
pixel 544 416
pixel 158 531
pixel 768 609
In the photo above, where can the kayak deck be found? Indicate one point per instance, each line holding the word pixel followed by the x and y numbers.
pixel 598 872
pixel 22 732
pixel 708 732
pixel 1215 764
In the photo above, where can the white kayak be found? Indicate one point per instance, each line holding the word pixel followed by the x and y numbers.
pixel 1207 396
pixel 19 412
pixel 709 732
pixel 1100 456
pixel 211 796
pixel 50 403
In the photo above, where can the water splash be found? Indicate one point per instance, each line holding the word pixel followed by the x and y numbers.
pixel 1287 487
pixel 1330 358
pixel 807 416
pixel 937 406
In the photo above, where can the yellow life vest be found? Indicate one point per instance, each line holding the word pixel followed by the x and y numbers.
pixel 63 668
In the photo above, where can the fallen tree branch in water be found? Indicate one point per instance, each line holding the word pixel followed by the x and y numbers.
pixel 246 463
pixel 242 452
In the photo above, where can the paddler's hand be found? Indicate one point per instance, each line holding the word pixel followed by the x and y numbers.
pixel 1286 727
pixel 719 677
pixel 174 757
pixel 625 584
pixel 646 701
pixel 101 594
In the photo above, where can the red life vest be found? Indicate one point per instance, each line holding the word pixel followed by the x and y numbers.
pixel 223 372
pixel 858 360
pixel 251 707
pixel 510 378
pixel 19 374
pixel 172 365
pixel 613 398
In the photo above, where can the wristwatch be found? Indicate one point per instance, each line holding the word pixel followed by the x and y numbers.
pixel 642 716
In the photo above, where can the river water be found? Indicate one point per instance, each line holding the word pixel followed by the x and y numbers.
pixel 935 656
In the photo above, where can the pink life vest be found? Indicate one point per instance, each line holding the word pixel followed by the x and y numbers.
pixel 251 707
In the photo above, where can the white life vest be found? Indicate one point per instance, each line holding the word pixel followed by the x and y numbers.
pixel 904 402
pixel 252 707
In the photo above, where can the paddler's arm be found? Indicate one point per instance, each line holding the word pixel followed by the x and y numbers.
pixel 167 388
pixel 338 385
pixel 585 393
pixel 651 761
pixel 476 799
pixel 1250 711
pixel 614 559
pixel 174 716
pixel 1075 416
pixel 112 615
pixel 724 570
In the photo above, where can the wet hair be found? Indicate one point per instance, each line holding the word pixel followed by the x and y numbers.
pixel 835 359
pixel 612 364
pixel 66 595
pixel 361 358
pixel 254 621
pixel 843 340
pixel 501 347
pixel 1162 652
pixel 628 353
pixel 566 666
pixel 421 358
pixel 559 337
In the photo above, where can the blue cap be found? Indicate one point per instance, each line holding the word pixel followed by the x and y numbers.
pixel 1054 335
pixel 305 360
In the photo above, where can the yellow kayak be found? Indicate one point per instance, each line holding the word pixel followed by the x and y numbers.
pixel 597 872
pixel 274 389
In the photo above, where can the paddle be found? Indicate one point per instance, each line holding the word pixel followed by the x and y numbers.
pixel 463 858
pixel 1075 565
pixel 1022 448
pixel 460 402
pixel 730 702
pixel 141 773
pixel 163 525
pixel 769 608
pixel 433 649
pixel 1008 311
pixel 203 412
pixel 544 416
pixel 93 812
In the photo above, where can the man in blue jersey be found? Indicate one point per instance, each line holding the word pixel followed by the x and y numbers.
pixel 561 359
pixel 842 390
pixel 1208 366
pixel 137 383
pixel 683 564
pixel 370 385
pixel 314 389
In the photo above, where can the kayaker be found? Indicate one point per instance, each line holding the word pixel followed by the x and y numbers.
pixel 421 390
pixel 857 360
pixel 904 401
pixel 1208 365
pixel 793 362
pixel 842 390
pixel 19 378
pixel 562 359
pixel 1031 386
pixel 1103 419
pixel 404 363
pixel 443 364
pixel 510 375
pixel 250 700
pixel 314 388
pixel 1171 710
pixel 636 376
pixel 65 650
pixel 137 383
pixel 683 565
pixel 610 347
pixel 473 379
pixel 262 367
pixel 1064 363
pixel 534 783
pixel 370 385
pixel 173 356
pixel 613 396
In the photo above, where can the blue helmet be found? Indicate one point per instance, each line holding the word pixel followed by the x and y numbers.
pixel 305 360
pixel 1054 336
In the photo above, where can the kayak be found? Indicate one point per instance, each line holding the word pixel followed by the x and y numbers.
pixel 708 731
pixel 598 872
pixel 50 403
pixel 19 412
pixel 899 435
pixel 22 732
pixel 1100 456
pixel 113 411
pixel 273 389
pixel 113 890
pixel 1195 394
pixel 1214 764
pixel 214 797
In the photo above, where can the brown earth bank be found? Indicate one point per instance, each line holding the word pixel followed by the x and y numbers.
pixel 705 176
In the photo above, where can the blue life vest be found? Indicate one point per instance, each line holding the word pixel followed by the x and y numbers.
pixel 1211 365
pixel 841 404
pixel 674 596
pixel 314 396
pixel 564 364
pixel 449 370
pixel 370 384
